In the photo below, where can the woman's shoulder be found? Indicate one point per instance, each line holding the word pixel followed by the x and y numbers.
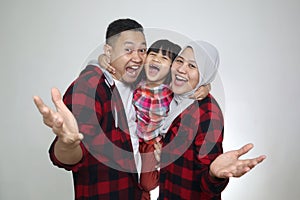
pixel 209 103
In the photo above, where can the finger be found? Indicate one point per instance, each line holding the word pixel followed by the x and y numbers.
pixel 43 109
pixel 261 158
pixel 197 96
pixel 76 138
pixel 225 175
pixel 57 99
pixel 57 125
pixel 158 144
pixel 111 69
pixel 157 149
pixel 58 121
pixel 108 69
pixel 243 168
pixel 200 95
pixel 255 161
pixel 156 155
pixel 57 130
pixel 244 149
pixel 192 96
pixel 79 136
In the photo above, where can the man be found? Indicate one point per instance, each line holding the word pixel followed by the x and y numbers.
pixel 102 162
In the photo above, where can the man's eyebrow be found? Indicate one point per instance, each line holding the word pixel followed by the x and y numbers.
pixel 132 43
pixel 128 43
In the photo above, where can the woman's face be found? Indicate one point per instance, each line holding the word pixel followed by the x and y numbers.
pixel 185 74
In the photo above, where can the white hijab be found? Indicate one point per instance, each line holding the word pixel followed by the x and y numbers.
pixel 207 60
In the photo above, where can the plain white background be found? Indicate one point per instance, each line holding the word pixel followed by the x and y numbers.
pixel 45 43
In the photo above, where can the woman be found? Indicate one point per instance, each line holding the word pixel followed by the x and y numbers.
pixel 194 133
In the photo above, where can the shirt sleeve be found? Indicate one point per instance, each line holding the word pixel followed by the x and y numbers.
pixel 208 145
pixel 80 100
pixel 59 164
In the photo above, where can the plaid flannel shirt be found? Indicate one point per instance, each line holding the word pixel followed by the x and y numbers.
pixel 198 132
pixel 105 172
pixel 152 106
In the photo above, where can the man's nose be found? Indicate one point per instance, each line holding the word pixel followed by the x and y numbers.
pixel 137 57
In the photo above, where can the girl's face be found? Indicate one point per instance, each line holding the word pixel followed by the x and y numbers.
pixel 185 74
pixel 157 67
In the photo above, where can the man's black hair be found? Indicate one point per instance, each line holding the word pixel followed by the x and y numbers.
pixel 120 25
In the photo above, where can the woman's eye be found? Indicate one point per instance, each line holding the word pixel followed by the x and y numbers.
pixel 192 66
pixel 179 60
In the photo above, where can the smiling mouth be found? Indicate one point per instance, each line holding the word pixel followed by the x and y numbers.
pixel 132 70
pixel 180 78
pixel 153 69
pixel 180 81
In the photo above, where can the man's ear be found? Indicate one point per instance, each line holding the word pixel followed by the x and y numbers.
pixel 107 50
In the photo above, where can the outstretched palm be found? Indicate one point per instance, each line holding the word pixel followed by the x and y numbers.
pixel 62 121
pixel 229 165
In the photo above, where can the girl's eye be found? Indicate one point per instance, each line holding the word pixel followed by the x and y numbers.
pixel 165 58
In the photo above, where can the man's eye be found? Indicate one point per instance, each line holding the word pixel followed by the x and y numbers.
pixel 128 50
pixel 142 51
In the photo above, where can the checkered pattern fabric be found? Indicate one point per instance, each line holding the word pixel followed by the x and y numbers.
pixel 152 106
pixel 193 141
pixel 105 171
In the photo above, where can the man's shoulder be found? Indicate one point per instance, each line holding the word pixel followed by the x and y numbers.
pixel 93 76
pixel 90 71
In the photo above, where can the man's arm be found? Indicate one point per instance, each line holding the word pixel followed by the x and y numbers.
pixel 67 147
pixel 201 92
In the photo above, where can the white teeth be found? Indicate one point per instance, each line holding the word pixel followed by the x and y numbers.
pixel 134 67
pixel 154 66
pixel 180 78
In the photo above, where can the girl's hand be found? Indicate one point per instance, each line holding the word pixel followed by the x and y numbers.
pixel 104 62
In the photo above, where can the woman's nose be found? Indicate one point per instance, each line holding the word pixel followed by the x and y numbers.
pixel 182 68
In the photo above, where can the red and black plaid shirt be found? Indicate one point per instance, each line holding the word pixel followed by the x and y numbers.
pixel 107 169
pixel 198 132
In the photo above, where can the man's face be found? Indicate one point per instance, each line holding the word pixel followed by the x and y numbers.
pixel 128 53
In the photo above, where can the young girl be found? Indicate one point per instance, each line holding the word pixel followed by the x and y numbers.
pixel 151 100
